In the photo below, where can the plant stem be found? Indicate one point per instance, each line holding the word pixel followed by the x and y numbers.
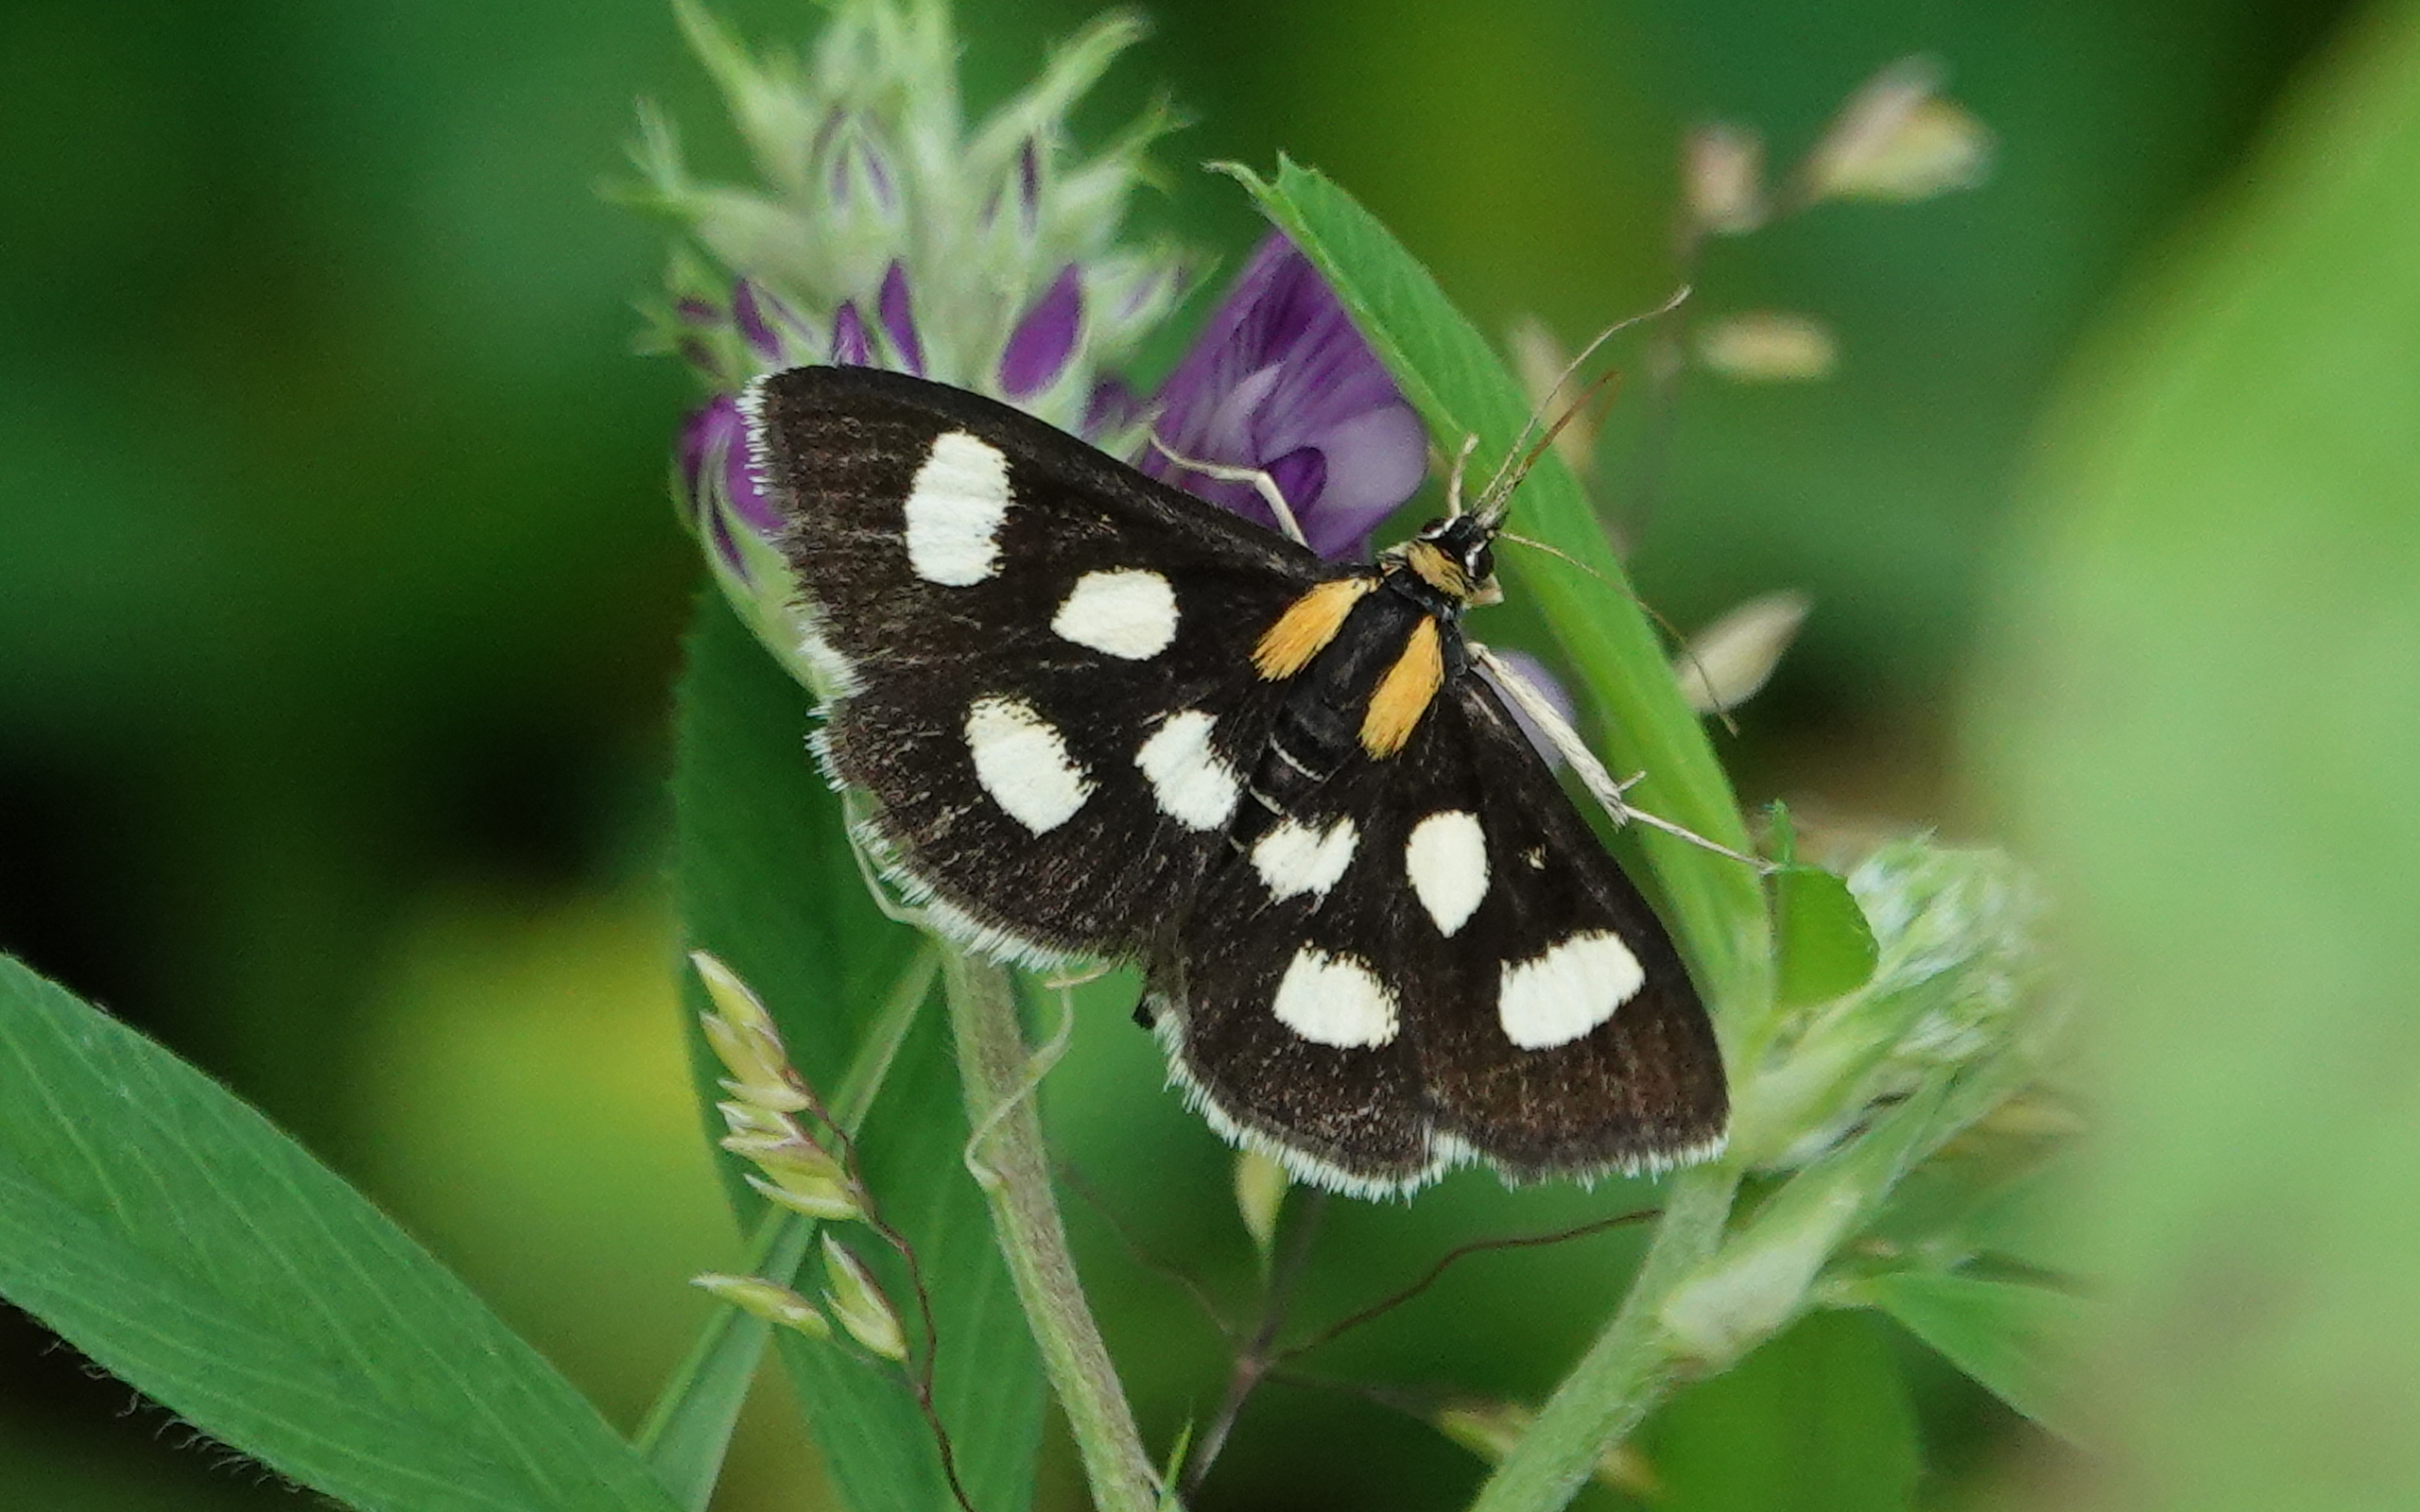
pixel 1629 1367
pixel 1253 1360
pixel 995 1068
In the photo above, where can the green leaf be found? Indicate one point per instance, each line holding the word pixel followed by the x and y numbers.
pixel 1816 1420
pixel 1461 388
pixel 2202 722
pixel 2011 1336
pixel 766 880
pixel 169 1232
pixel 1823 946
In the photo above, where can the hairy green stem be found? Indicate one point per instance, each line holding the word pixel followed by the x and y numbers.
pixel 997 1071
pixel 1626 1370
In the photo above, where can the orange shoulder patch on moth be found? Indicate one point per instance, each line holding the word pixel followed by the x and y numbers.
pixel 1308 624
pixel 1405 693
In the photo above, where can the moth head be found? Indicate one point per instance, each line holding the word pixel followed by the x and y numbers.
pixel 1456 557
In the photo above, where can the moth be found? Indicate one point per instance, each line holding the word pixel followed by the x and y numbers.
pixel 1096 717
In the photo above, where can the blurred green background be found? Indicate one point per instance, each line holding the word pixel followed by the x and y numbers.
pixel 339 601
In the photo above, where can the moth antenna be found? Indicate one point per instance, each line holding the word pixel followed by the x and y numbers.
pixel 1261 483
pixel 1592 773
pixel 1493 504
pixel 1644 607
pixel 1674 302
pixel 1454 479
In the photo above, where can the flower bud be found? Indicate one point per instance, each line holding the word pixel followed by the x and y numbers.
pixel 1768 346
pixel 826 1200
pixel 1726 664
pixel 1897 138
pixel 1721 175
pixel 1260 1197
pixel 759 1298
pixel 732 999
pixel 859 1306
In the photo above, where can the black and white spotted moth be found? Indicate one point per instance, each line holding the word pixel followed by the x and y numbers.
pixel 1097 717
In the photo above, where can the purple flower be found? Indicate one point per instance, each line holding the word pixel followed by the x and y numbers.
pixel 850 348
pixel 1279 380
pixel 1111 406
pixel 1038 349
pixel 750 321
pixel 899 320
pixel 714 470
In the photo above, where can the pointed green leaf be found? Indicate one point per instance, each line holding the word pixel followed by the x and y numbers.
pixel 1823 945
pixel 169 1232
pixel 2011 1336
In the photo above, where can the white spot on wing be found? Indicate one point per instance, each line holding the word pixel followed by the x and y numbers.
pixel 1128 613
pixel 1446 859
pixel 1022 761
pixel 1334 1000
pixel 954 511
pixel 1567 991
pixel 1293 857
pixel 1190 783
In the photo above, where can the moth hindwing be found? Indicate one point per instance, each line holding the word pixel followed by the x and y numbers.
pixel 1096 716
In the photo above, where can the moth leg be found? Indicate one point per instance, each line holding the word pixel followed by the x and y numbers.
pixel 1592 775
pixel 1261 483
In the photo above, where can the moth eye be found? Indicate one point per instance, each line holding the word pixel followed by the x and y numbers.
pixel 1480 564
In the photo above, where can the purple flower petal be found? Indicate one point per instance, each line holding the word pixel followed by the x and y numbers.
pixel 1300 473
pixel 697 311
pixel 875 164
pixel 713 450
pixel 850 348
pixel 750 320
pixel 1279 372
pixel 899 320
pixel 1038 349
pixel 857 160
pixel 1112 407
pixel 747 501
